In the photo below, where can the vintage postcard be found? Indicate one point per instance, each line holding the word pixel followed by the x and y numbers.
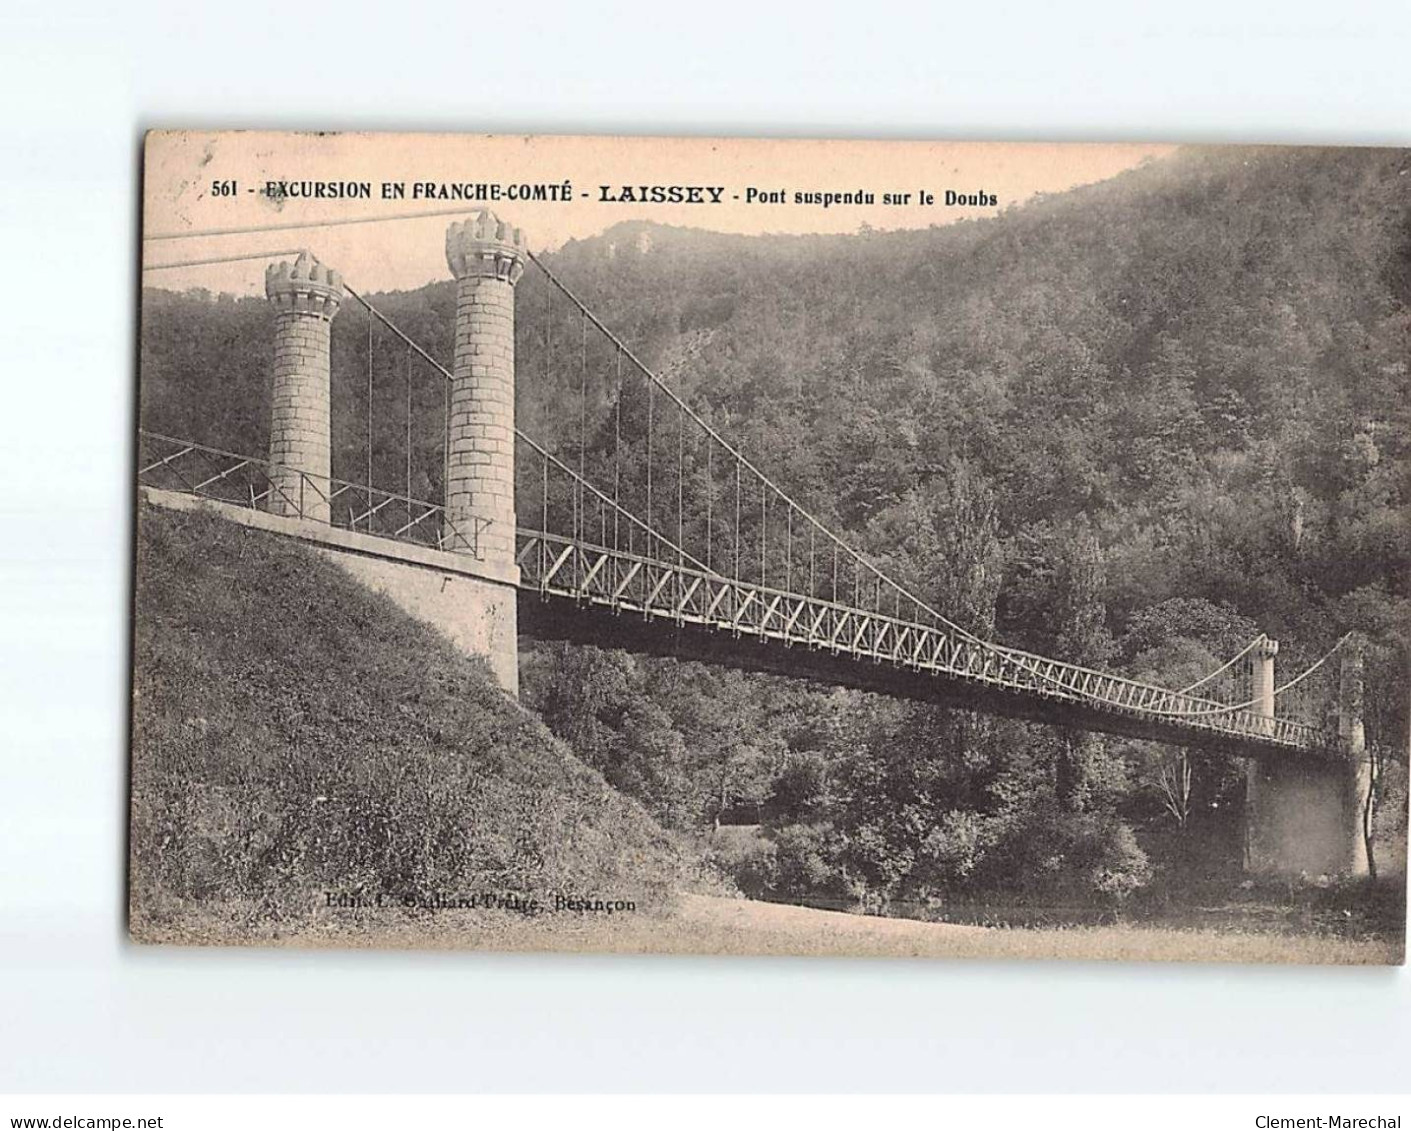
pixel 772 547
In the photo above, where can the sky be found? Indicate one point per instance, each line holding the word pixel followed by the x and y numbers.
pixel 203 182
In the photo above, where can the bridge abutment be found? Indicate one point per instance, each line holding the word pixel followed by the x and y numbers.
pixel 469 603
pixel 1304 816
pixel 305 295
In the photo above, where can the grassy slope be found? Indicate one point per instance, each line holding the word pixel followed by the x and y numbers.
pixel 294 734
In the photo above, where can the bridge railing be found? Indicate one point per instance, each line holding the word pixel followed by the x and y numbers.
pixel 171 464
pixel 685 594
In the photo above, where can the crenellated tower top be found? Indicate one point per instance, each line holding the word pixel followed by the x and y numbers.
pixel 304 286
pixel 484 246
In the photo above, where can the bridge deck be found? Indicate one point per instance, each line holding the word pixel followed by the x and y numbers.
pixel 594 594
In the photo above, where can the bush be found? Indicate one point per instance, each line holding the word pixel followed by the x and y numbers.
pixel 800 790
pixel 803 864
pixel 952 850
pixel 756 872
pixel 1093 857
pixel 793 864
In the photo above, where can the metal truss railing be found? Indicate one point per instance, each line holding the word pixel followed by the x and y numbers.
pixel 561 567
pixel 170 464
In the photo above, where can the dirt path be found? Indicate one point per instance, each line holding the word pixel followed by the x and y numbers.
pixel 752 916
pixel 713 925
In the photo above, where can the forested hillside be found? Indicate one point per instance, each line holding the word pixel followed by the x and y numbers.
pixel 1130 425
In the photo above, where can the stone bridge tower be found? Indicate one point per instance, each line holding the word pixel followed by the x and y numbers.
pixel 305 295
pixel 1303 816
pixel 467 586
pixel 486 256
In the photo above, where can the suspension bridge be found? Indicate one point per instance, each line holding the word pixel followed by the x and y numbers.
pixel 640 525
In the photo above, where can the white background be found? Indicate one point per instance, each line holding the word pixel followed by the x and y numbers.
pixel 80 1009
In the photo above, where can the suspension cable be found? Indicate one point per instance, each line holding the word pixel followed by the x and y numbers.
pixel 446 444
pixel 369 412
pixel 409 430
pixel 297 225
pixel 222 259
pixel 651 405
pixel 617 453
pixel 580 519
pixel 1289 686
pixel 763 531
pixel 680 477
pixel 656 382
pixel 710 499
pixel 1226 665
pixel 859 562
pixel 632 520
pixel 738 463
pixel 789 547
pixel 1318 664
pixel 548 358
pixel 547 399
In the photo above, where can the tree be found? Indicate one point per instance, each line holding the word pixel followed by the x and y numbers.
pixel 1174 778
pixel 1174 644
pixel 1082 637
pixel 913 789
